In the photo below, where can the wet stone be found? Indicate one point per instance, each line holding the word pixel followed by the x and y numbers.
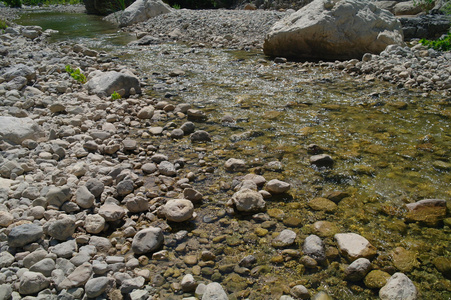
pixel 322 204
pixel 358 269
pixel 428 211
pixel 404 260
pixel 376 279
pixel 284 239
pixel 399 286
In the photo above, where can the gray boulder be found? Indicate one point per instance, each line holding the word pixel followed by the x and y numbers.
pixel 61 229
pixel 358 269
pixel 96 286
pixel 331 29
pixel 6 259
pixel 20 70
pixel 147 240
pixel 16 130
pixel 314 247
pixel 106 83
pixel 24 234
pixel 32 282
pixel 45 267
pixel 142 10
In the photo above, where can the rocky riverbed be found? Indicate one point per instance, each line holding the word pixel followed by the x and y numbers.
pixel 99 200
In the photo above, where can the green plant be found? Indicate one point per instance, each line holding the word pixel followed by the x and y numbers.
pixel 115 96
pixel 13 3
pixel 176 6
pixel 3 25
pixel 442 44
pixel 76 74
pixel 429 4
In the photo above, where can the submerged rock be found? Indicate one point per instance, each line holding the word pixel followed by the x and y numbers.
pixel 428 211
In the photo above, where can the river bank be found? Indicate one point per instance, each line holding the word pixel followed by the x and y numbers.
pixel 101 172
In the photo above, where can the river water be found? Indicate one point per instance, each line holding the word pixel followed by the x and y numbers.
pixel 391 146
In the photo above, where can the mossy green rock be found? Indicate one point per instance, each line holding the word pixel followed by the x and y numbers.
pixel 404 260
pixel 443 264
pixel 322 204
pixel 376 279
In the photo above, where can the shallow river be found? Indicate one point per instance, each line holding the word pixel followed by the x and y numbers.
pixel 390 147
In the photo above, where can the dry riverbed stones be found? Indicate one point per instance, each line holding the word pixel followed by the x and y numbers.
pixel 93 203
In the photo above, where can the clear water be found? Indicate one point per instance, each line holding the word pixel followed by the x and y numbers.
pixel 391 146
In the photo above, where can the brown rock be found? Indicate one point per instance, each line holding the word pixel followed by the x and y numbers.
pixel 428 211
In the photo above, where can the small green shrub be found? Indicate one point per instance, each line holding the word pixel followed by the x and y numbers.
pixel 13 3
pixel 115 96
pixel 3 25
pixel 76 74
pixel 442 44
pixel 176 6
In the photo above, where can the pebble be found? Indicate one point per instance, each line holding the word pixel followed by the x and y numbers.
pixel 178 210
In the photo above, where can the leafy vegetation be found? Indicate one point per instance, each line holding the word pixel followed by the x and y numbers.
pixel 76 74
pixel 429 4
pixel 442 44
pixel 3 25
pixel 115 96
pixel 13 3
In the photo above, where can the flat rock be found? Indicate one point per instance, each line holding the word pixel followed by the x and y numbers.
pixel 24 234
pixel 276 186
pixel 77 278
pixel 354 246
pixel 284 239
pixel 428 211
pixel 111 212
pixel 235 165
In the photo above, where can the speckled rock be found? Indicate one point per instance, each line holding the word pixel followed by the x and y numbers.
pixel 247 200
pixel 399 286
pixel 178 210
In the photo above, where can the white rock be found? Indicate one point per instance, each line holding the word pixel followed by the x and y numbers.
pixel 142 10
pixel 399 286
pixel 276 186
pixel 354 246
pixel 16 130
pixel 331 29
pixel 94 223
pixel 247 200
pixel 214 291
pixel 178 210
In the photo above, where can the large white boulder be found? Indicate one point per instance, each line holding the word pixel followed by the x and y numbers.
pixel 16 130
pixel 106 83
pixel 142 10
pixel 334 29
